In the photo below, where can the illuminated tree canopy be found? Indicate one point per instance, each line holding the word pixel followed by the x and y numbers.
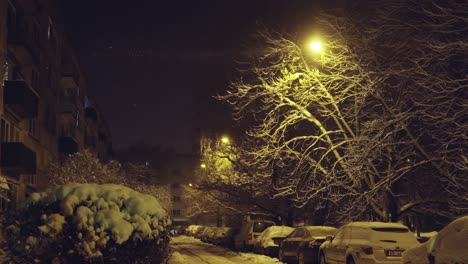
pixel 374 124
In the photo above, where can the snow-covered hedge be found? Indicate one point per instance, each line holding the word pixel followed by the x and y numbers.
pixel 91 223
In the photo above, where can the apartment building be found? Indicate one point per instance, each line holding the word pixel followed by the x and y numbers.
pixel 47 110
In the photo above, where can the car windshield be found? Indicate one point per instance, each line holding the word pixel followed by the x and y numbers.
pixel 260 226
pixel 321 231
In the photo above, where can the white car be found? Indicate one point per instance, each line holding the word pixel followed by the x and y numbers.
pixel 450 245
pixel 265 244
pixel 249 232
pixel 367 242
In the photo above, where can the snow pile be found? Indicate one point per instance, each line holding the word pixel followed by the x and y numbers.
pixel 448 246
pixel 189 250
pixel 94 218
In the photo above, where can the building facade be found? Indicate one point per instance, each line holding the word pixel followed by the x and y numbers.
pixel 47 110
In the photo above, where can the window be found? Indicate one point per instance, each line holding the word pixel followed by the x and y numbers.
pixel 34 80
pixel 299 233
pixel 32 127
pixel 29 178
pixel 12 19
pixel 3 204
pixel 51 35
pixel 339 236
pixel 9 133
pixel 176 212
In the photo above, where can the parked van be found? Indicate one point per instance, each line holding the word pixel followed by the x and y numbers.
pixel 249 232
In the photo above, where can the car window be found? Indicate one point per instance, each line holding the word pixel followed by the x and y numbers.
pixel 359 233
pixel 321 231
pixel 339 236
pixel 299 233
pixel 392 235
pixel 293 234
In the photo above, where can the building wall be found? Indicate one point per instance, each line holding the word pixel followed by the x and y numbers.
pixel 43 60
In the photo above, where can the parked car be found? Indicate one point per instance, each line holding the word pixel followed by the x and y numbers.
pixel 447 246
pixel 249 232
pixel 191 230
pixel 208 234
pixel 265 244
pixel 367 242
pixel 423 237
pixel 302 245
pixel 225 237
pixel 199 232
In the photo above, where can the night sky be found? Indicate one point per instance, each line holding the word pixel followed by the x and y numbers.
pixel 155 65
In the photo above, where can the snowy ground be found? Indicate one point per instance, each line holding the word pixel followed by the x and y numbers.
pixel 191 250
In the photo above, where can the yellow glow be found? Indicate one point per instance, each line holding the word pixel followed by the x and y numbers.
pixel 190 184
pixel 225 140
pixel 316 46
pixel 203 166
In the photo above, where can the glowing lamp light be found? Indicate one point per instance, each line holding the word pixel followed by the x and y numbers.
pixel 316 46
pixel 203 166
pixel 190 184
pixel 225 140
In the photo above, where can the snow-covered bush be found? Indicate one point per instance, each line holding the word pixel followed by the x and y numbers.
pixel 87 223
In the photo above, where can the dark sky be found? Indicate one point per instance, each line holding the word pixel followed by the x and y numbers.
pixel 155 65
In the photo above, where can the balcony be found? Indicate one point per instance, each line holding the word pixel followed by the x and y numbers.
pixel 23 39
pixel 91 114
pixel 70 77
pixel 18 157
pixel 19 97
pixel 67 106
pixel 67 145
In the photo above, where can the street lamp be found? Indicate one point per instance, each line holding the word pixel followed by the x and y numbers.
pixel 316 46
pixel 225 140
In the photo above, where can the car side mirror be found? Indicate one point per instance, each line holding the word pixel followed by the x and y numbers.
pixel 277 240
pixel 329 238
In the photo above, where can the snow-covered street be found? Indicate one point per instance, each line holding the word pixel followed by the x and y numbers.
pixel 191 250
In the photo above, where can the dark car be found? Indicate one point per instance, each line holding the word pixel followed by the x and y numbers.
pixel 302 245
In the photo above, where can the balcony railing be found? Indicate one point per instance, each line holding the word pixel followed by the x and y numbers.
pixel 17 157
pixel 21 98
pixel 70 76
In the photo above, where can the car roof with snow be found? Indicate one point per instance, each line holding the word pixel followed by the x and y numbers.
pixel 376 225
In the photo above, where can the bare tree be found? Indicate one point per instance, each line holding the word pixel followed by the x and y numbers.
pixel 85 167
pixel 343 126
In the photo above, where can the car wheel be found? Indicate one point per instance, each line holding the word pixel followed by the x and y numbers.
pixel 323 260
pixel 350 260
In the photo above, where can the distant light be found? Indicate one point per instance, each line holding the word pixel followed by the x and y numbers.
pixel 316 46
pixel 190 184
pixel 203 166
pixel 225 140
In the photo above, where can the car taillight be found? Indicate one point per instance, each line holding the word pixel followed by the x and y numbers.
pixel 368 250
